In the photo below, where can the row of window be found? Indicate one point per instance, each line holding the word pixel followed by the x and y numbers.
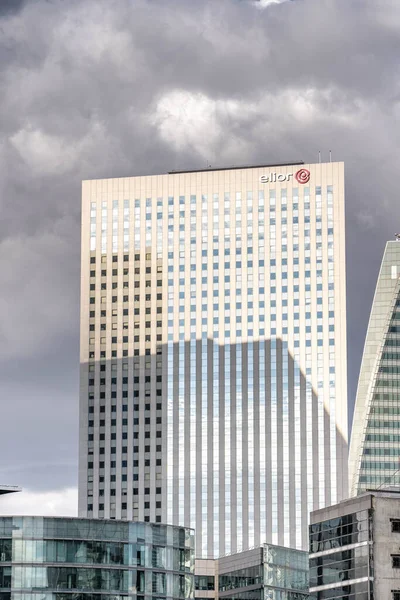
pixel 217 199
pixel 114 272
pixel 379 465
pixel 389 369
pixel 124 464
pixel 135 436
pixel 378 424
pixel 115 258
pixel 113 422
pixel 124 450
pixel 125 354
pixel 136 421
pixel 123 380
pixel 135 492
pixel 125 258
pixel 135 394
pixel 124 505
pixel 382 451
pixel 114 299
pixel 146 518
pixel 147 339
pixel 125 324
pixel 103 313
pixel 97 552
pixel 136 407
pixel 125 338
pixel 111 579
pixel 385 410
pixel 381 437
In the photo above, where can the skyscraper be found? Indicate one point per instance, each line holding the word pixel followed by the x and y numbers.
pixel 213 351
pixel 375 437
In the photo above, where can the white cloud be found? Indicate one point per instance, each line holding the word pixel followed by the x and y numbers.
pixel 42 152
pixel 266 3
pixel 186 119
pixel 57 503
pixel 47 154
pixel 213 127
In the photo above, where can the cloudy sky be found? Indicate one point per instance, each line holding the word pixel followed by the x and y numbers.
pixel 103 88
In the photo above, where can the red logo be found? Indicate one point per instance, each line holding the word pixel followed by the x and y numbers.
pixel 303 176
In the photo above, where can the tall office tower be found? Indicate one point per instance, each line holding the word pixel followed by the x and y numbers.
pixel 213 351
pixel 375 438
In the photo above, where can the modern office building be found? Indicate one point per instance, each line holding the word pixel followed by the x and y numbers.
pixel 374 457
pixel 266 573
pixel 355 549
pixel 46 558
pixel 213 351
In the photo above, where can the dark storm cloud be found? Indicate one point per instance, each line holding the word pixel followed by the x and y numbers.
pixel 101 88
pixel 8 7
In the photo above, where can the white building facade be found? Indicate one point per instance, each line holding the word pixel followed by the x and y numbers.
pixel 213 351
pixel 375 435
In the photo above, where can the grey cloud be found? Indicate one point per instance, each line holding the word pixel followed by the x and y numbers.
pixel 102 88
pixel 8 7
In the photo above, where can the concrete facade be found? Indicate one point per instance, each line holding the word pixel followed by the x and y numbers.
pixel 206 569
pixel 213 351
pixel 355 548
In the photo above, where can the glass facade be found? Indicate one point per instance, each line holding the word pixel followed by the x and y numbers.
pixel 51 558
pixel 375 443
pixel 280 574
pixel 213 345
pixel 341 564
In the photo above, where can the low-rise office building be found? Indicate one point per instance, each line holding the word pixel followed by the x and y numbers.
pixel 46 558
pixel 266 573
pixel 355 548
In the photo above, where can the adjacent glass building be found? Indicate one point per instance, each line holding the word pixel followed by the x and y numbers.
pixel 43 558
pixel 266 573
pixel 213 351
pixel 375 438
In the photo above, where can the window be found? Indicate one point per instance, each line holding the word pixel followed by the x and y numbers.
pixel 396 594
pixel 396 561
pixel 204 582
pixel 396 529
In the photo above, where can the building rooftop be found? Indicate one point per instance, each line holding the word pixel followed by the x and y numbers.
pixel 234 167
pixel 9 489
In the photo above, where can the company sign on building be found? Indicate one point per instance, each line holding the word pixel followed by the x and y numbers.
pixel 302 176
